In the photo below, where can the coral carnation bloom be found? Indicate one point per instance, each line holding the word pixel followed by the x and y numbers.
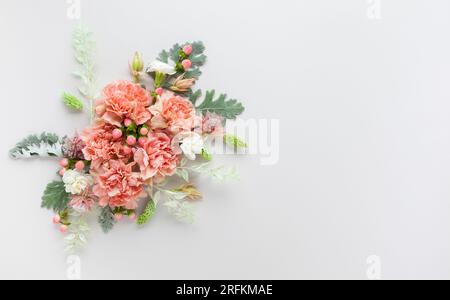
pixel 156 158
pixel 173 112
pixel 117 185
pixel 121 100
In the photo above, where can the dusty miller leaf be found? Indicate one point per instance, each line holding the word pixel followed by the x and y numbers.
pixel 195 96
pixel 45 144
pixel 55 197
pixel 229 109
pixel 197 57
pixel 106 219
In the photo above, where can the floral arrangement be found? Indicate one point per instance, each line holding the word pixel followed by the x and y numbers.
pixel 146 134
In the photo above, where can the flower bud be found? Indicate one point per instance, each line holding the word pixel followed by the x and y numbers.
pixel 56 219
pixel 127 122
pixel 190 191
pixel 182 85
pixel 117 134
pixel 187 49
pixel 131 140
pixel 187 64
pixel 79 166
pixel 137 65
pixel 63 228
pixel 144 131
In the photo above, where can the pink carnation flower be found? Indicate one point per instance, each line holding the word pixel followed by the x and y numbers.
pixel 100 145
pixel 122 100
pixel 156 158
pixel 117 185
pixel 172 112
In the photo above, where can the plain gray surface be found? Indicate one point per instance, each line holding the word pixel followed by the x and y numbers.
pixel 364 162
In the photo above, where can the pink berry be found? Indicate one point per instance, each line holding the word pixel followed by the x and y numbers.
pixel 187 49
pixel 117 134
pixel 159 91
pixel 56 219
pixel 187 64
pixel 132 216
pixel 118 217
pixel 142 141
pixel 131 140
pixel 143 131
pixel 62 172
pixel 127 150
pixel 127 122
pixel 63 228
pixel 64 162
pixel 79 166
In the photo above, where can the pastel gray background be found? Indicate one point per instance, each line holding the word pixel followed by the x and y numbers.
pixel 364 165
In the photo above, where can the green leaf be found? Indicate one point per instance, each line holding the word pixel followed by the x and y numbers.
pixel 206 156
pixel 84 48
pixel 234 141
pixel 183 173
pixel 193 73
pixel 195 96
pixel 106 219
pixel 45 144
pixel 148 213
pixel 197 57
pixel 72 101
pixel 55 197
pixel 164 56
pixel 229 109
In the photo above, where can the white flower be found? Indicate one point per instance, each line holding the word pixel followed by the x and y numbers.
pixel 159 66
pixel 192 145
pixel 75 182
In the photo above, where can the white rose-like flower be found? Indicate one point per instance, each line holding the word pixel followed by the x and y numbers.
pixel 192 145
pixel 75 182
pixel 159 66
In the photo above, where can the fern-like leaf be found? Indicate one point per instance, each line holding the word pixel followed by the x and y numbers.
pixel 106 219
pixel 197 57
pixel 84 47
pixel 55 197
pixel 229 109
pixel 45 144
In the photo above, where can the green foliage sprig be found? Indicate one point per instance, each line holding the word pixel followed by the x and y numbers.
pixel 106 219
pixel 55 197
pixel 71 101
pixel 197 57
pixel 148 213
pixel 45 144
pixel 228 108
pixel 84 47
